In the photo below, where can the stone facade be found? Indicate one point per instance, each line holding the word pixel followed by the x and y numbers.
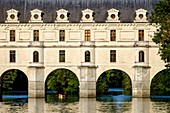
pixel 133 55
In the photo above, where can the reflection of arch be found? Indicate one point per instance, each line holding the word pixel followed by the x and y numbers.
pixel 35 56
pixel 141 56
pixel 20 82
pixel 87 56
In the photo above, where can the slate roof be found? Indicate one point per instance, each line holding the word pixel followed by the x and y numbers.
pixel 49 7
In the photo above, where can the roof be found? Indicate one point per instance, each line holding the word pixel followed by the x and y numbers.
pixel 126 8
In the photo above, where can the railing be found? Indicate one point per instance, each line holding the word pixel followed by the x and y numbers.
pixel 87 43
pixel 36 64
pixel 143 64
pixel 36 43
pixel 141 44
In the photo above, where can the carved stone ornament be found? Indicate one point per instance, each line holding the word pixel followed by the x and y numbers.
pixel 12 16
pixel 62 16
pixel 113 15
pixel 141 15
pixel 87 16
pixel 36 16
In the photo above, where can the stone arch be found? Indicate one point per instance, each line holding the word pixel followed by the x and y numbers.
pixel 122 81
pixel 50 70
pixel 60 85
pixel 121 69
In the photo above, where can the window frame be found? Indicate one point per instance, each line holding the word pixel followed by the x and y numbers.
pixel 36 35
pixel 112 35
pixel 12 56
pixel 112 55
pixel 12 35
pixel 61 35
pixel 35 56
pixel 87 56
pixel 87 34
pixel 62 56
pixel 141 34
pixel 141 56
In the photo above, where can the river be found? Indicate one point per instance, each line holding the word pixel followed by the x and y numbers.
pixel 101 104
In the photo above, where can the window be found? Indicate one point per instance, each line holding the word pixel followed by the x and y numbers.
pixel 35 56
pixel 141 35
pixel 141 56
pixel 62 56
pixel 87 56
pixel 87 35
pixel 112 55
pixel 12 55
pixel 112 35
pixel 12 35
pixel 36 35
pixel 62 35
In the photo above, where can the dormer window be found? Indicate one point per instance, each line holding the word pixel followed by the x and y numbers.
pixel 12 16
pixel 87 16
pixel 36 16
pixel 113 15
pixel 141 15
pixel 62 16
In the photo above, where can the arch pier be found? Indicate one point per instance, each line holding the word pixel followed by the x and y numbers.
pixel 141 82
pixel 36 82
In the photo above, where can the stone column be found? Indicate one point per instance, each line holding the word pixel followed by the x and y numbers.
pixel 87 81
pixel 141 83
pixel 0 89
pixel 36 83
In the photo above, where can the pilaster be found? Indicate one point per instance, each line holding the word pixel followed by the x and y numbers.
pixel 141 83
pixel 0 89
pixel 87 81
pixel 36 83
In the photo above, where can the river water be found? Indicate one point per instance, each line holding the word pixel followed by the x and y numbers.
pixel 101 104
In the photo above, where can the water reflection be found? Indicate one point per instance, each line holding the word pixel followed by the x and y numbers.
pixel 90 105
pixel 87 105
pixel 36 105
pixel 141 105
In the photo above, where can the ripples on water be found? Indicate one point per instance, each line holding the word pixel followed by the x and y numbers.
pixel 101 104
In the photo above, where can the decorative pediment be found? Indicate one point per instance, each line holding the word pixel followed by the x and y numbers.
pixel 113 15
pixel 36 16
pixel 87 15
pixel 12 16
pixel 141 15
pixel 62 16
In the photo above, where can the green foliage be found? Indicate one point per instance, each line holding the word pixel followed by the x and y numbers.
pixel 161 82
pixel 63 81
pixel 113 79
pixel 8 79
pixel 161 16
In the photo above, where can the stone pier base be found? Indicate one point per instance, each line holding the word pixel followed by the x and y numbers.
pixel 36 89
pixel 87 89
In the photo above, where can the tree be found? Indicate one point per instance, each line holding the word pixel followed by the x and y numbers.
pixel 63 81
pixel 113 79
pixel 8 79
pixel 161 16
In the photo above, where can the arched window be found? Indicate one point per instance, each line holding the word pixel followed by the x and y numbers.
pixel 35 56
pixel 141 56
pixel 87 56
